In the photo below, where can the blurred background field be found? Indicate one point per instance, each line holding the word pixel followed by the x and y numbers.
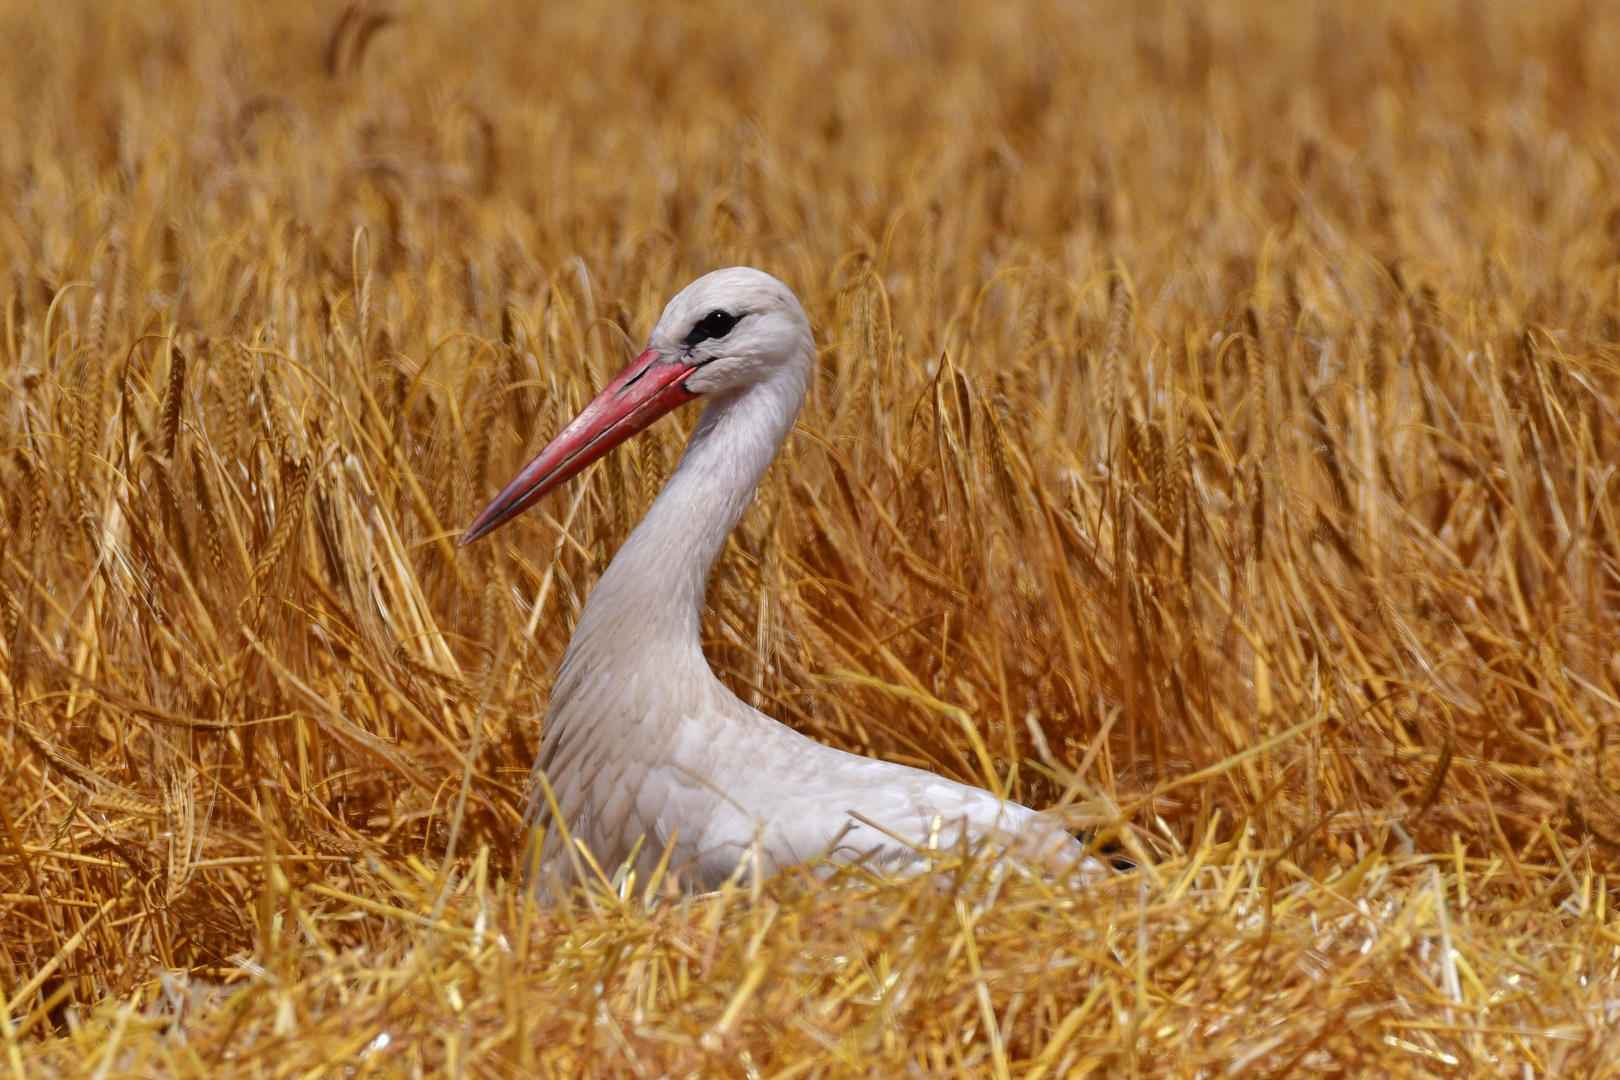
pixel 1217 402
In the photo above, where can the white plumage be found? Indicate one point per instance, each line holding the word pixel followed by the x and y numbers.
pixel 642 744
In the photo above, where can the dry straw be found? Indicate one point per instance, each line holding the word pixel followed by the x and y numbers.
pixel 1216 407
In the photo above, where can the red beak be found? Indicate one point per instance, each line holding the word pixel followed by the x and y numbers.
pixel 644 391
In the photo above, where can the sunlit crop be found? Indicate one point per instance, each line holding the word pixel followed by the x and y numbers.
pixel 1217 406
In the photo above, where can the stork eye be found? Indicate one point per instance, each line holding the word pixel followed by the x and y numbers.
pixel 716 324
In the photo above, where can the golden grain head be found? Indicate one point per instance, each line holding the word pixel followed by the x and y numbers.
pixel 1217 402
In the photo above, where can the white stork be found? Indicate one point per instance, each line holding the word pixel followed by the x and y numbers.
pixel 643 747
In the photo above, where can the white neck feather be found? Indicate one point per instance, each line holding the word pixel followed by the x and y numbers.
pixel 645 613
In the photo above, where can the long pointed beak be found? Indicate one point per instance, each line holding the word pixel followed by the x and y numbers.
pixel 642 392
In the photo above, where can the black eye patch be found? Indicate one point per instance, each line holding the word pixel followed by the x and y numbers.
pixel 716 324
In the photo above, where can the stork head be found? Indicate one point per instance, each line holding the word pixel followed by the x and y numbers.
pixel 728 330
pixel 733 328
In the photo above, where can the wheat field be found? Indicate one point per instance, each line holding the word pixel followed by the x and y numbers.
pixel 1216 419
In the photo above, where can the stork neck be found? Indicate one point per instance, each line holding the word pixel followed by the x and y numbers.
pixel 649 602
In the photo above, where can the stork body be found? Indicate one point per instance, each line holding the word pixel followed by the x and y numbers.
pixel 642 744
